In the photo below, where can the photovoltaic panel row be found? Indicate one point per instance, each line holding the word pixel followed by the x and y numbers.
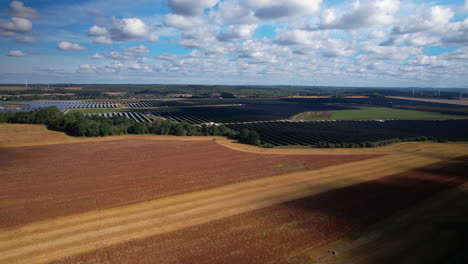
pixel 138 117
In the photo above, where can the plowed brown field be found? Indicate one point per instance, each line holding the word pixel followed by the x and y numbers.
pixel 48 181
pixel 283 233
pixel 109 195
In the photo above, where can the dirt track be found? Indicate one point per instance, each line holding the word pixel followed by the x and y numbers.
pixel 43 242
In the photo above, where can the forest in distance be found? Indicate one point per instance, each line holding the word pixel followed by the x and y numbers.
pixel 15 92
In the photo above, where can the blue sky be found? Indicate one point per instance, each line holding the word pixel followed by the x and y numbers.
pixel 291 42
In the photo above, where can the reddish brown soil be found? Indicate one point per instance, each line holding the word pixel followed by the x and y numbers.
pixel 41 182
pixel 282 233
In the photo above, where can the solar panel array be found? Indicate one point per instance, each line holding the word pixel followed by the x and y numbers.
pixel 139 104
pixel 138 117
pixel 61 105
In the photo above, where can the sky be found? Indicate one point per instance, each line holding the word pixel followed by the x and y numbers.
pixel 371 43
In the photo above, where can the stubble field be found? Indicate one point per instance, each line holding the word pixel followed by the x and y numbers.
pixel 166 200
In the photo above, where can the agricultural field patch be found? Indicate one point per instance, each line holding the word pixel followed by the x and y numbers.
pixel 390 113
pixel 290 231
pixel 462 102
pixel 41 182
pixel 456 111
pixel 313 115
pixel 77 182
pixel 432 231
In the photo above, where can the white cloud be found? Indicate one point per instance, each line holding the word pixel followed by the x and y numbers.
pixel 128 54
pixel 67 46
pixel 190 7
pixel 365 13
pixel 336 48
pixel 275 9
pixel 199 38
pixel 434 18
pixel 237 32
pixel 25 39
pixel 16 53
pixel 372 51
pixel 114 67
pixel 377 34
pixel 182 22
pixel 456 34
pixel 96 56
pixel 17 24
pixel 7 34
pixel 234 12
pixel 96 31
pixel 86 68
pixel 153 38
pixel 104 40
pixel 128 29
pixel 298 37
pixel 17 9
pixel 430 26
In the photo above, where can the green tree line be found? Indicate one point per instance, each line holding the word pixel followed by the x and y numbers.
pixel 76 124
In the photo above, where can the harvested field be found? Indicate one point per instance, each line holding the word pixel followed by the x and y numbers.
pixel 285 232
pixel 77 234
pixel 42 182
pixel 97 221
pixel 443 101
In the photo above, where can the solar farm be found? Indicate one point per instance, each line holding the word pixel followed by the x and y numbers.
pixel 314 191
pixel 272 117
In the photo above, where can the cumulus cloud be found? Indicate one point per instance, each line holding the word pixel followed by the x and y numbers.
pixel 104 40
pixel 127 29
pixel 96 31
pixel 17 9
pixel 153 38
pixel 94 12
pixel 237 32
pixel 430 26
pixel 96 56
pixel 234 12
pixel 377 34
pixel 7 34
pixel 365 13
pixel 198 38
pixel 128 53
pixel 375 52
pixel 190 7
pixel 16 53
pixel 17 24
pixel 298 36
pixel 274 9
pixel 332 48
pixel 25 39
pixel 86 68
pixel 182 22
pixel 67 46
pixel 434 18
